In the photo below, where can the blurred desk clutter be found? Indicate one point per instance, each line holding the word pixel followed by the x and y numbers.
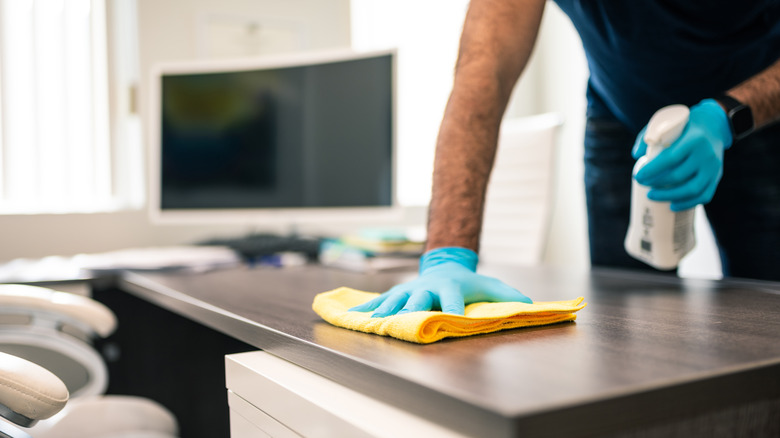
pixel 374 249
pixel 364 251
pixel 86 266
pixel 271 249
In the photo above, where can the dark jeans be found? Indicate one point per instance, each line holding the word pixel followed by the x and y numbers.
pixel 744 213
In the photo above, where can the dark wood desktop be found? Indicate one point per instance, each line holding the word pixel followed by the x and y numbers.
pixel 651 354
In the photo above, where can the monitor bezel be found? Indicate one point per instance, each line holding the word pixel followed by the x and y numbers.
pixel 296 216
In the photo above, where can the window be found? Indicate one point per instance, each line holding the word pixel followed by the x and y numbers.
pixel 56 149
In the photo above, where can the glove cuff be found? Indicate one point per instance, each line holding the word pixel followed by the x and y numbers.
pixel 463 256
pixel 718 118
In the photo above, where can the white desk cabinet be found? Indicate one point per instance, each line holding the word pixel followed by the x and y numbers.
pixel 271 397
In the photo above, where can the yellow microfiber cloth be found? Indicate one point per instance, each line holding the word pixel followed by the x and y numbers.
pixel 427 327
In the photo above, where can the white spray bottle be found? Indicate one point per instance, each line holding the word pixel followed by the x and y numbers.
pixel 657 235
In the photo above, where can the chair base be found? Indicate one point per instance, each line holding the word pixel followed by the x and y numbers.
pixel 16 418
pixel 10 431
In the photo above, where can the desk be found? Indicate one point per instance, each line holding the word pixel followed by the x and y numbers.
pixel 649 353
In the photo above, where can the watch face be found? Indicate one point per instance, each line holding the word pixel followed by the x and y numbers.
pixel 741 120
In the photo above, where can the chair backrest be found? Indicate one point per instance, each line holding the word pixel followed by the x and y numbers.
pixel 55 329
pixel 520 192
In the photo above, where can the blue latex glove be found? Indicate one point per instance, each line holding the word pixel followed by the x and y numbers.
pixel 447 281
pixel 689 170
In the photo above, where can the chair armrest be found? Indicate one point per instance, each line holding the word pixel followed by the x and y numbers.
pixel 93 314
pixel 29 392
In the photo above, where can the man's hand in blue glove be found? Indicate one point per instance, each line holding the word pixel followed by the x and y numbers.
pixel 688 171
pixel 447 281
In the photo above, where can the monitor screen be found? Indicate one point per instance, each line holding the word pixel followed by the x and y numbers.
pixel 298 132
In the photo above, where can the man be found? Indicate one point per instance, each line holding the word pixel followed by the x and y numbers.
pixel 719 57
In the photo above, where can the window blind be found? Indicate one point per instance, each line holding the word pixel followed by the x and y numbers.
pixel 55 154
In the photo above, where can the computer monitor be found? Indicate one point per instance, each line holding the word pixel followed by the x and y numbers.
pixel 299 138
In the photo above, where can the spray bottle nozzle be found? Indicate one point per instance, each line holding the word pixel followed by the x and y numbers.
pixel 665 126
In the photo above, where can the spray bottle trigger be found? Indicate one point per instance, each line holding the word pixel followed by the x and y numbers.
pixel 665 127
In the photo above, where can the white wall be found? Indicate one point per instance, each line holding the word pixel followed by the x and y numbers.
pixel 426 35
pixel 566 76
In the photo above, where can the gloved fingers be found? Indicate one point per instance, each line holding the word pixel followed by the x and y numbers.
pixel 420 300
pixel 395 301
pixel 702 161
pixel 667 160
pixel 675 176
pixel 369 305
pixel 693 190
pixel 640 147
pixel 684 205
pixel 451 299
pixel 501 292
pixel 702 198
pixel 376 302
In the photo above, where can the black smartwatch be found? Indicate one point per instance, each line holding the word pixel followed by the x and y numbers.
pixel 739 115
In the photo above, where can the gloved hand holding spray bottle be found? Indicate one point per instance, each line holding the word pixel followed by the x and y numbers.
pixel 657 235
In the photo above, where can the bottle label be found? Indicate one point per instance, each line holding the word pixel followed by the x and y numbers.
pixel 683 230
pixel 646 244
pixel 656 235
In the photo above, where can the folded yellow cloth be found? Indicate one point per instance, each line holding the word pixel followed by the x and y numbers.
pixel 427 327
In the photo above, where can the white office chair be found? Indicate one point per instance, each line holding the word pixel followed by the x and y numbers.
pixel 519 199
pixel 54 330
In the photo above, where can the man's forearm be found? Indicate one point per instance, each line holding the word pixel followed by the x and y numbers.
pixel 762 94
pixel 463 161
pixel 497 39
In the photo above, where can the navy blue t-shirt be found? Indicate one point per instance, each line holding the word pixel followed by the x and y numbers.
pixel 646 54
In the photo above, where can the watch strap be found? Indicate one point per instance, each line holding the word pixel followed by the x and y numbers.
pixel 739 115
